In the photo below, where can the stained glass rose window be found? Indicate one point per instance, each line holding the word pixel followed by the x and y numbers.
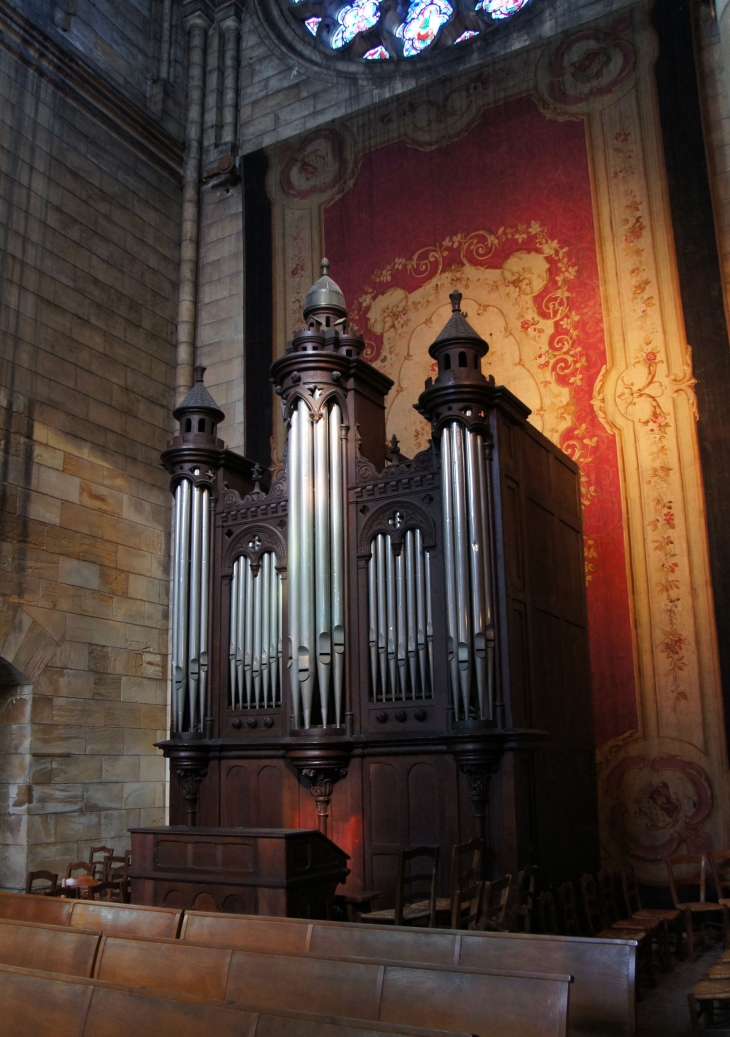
pixel 383 30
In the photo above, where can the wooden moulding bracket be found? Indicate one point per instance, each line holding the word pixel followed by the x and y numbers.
pixel 323 761
pixel 190 762
pixel 478 754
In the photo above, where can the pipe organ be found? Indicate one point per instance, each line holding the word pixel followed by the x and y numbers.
pixel 392 649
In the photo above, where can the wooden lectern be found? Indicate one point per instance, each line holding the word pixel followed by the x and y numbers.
pixel 265 871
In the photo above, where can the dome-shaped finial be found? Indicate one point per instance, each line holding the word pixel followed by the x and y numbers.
pixel 455 301
pixel 325 296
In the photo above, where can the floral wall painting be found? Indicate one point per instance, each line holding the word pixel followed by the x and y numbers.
pixel 537 188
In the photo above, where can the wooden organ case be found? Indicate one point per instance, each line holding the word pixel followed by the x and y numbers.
pixel 394 651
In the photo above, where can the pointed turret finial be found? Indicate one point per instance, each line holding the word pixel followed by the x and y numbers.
pixel 324 266
pixel 198 400
pixel 455 301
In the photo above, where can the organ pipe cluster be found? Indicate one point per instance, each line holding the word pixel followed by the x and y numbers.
pixel 400 620
pixel 316 563
pixel 254 653
pixel 190 604
pixel 470 630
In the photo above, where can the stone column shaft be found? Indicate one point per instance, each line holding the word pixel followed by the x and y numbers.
pixel 197 20
pixel 231 28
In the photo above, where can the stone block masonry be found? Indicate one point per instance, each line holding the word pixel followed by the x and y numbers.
pixel 89 256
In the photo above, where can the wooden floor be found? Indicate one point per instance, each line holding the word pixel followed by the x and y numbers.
pixel 663 1011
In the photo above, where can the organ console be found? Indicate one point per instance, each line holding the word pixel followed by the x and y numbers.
pixel 406 638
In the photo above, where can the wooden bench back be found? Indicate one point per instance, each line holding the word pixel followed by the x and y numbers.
pixel 51 948
pixel 126 919
pixel 131 919
pixel 512 1004
pixel 52 1006
pixel 32 907
pixel 602 995
pixel 164 965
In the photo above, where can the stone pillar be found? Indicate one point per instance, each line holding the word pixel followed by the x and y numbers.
pixel 165 36
pixel 228 16
pixel 722 15
pixel 197 19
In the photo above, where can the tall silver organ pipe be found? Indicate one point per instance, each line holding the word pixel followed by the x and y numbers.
pixel 399 619
pixel 255 632
pixel 316 565
pixel 470 631
pixel 190 605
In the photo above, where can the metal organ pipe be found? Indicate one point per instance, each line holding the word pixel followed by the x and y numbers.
pixel 338 558
pixel 248 633
pixel 190 605
pixel 241 616
pixel 382 611
pixel 323 633
pixel 256 592
pixel 306 563
pixel 316 546
pixel 176 670
pixel 399 611
pixel 461 541
pixel 294 550
pixel 204 600
pixel 466 550
pixel 265 624
pixel 450 566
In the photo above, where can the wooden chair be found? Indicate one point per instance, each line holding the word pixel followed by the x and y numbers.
pixel 720 864
pixel 519 918
pixel 655 929
pixel 111 862
pixel 548 913
pixel 527 884
pixel 117 886
pixel 598 927
pixel 410 906
pixel 665 915
pixel 97 857
pixel 80 880
pixel 569 910
pixel 701 1000
pixel 467 886
pixel 495 900
pixel 48 877
pixel 690 869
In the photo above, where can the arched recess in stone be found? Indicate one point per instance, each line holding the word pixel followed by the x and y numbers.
pixel 26 648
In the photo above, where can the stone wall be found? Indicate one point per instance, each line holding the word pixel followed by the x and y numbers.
pixel 88 274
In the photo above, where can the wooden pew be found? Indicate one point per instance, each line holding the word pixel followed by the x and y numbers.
pixel 50 948
pixel 126 919
pixel 602 995
pixel 31 907
pixel 511 1004
pixel 131 919
pixel 43 1005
